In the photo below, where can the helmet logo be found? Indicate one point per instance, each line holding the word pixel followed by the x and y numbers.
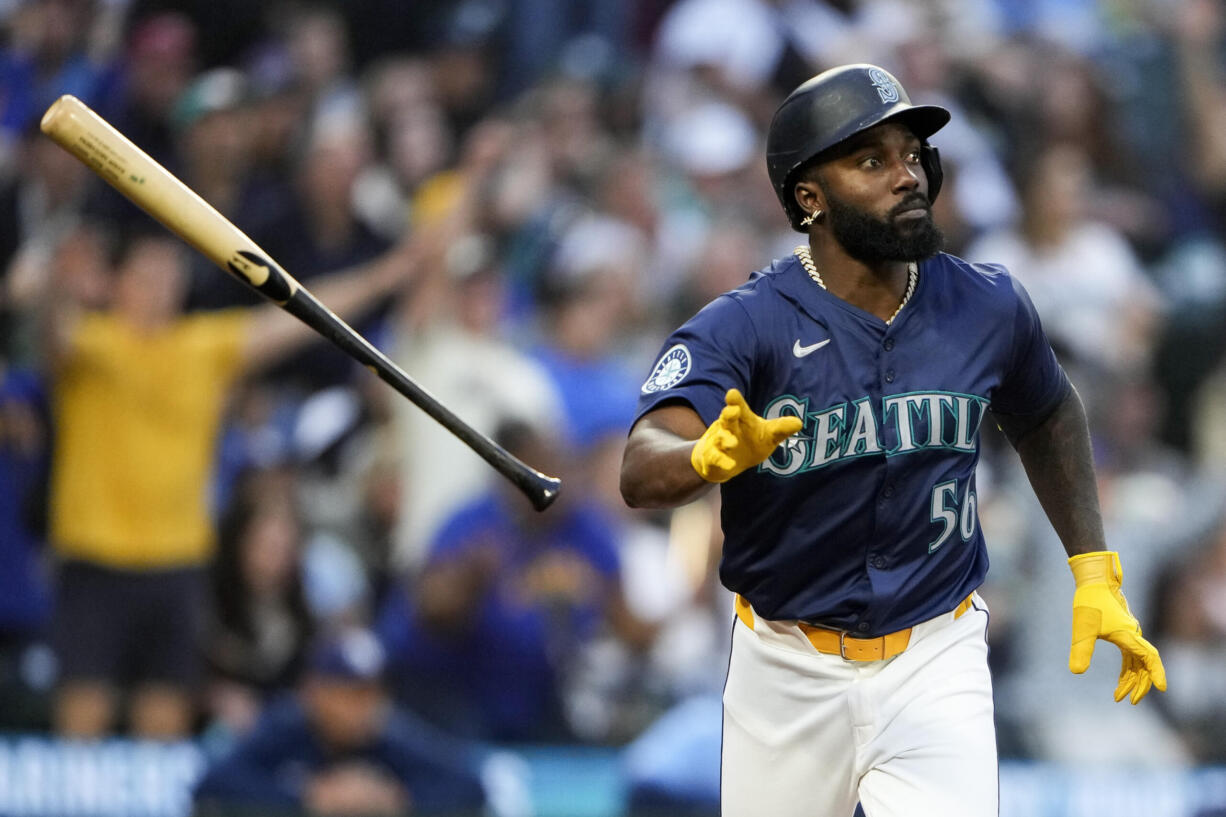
pixel 884 84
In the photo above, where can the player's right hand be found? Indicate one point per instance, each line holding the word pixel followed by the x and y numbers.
pixel 738 439
pixel 1101 611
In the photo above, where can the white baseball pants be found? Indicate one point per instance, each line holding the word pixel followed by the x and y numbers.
pixel 809 735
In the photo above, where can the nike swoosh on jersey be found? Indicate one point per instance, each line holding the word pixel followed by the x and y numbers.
pixel 801 351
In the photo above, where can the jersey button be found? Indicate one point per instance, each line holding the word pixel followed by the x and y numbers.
pixel 862 627
pixel 888 491
pixel 879 562
pixel 889 375
pixel 889 344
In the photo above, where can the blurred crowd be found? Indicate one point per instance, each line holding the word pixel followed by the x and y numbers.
pixel 202 506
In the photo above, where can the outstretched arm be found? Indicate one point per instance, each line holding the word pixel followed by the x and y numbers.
pixel 656 468
pixel 671 458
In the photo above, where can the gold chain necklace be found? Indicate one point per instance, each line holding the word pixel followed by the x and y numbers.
pixel 806 261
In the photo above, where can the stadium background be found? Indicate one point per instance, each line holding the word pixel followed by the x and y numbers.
pixel 580 175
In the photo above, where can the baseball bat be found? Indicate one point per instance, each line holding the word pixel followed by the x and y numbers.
pixel 131 171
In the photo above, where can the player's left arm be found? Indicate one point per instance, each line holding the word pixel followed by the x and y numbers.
pixel 1058 461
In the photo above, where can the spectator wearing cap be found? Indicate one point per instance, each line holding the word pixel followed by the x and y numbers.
pixel 340 747
pixel 213 123
pixel 486 637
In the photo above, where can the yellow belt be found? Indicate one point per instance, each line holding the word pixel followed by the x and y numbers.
pixel 838 642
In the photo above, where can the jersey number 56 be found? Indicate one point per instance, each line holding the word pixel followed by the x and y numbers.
pixel 945 510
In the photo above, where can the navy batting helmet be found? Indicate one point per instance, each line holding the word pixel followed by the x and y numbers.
pixel 833 106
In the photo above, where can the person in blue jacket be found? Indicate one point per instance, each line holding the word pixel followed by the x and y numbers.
pixel 339 747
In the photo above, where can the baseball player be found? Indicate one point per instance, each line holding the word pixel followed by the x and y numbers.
pixel 837 398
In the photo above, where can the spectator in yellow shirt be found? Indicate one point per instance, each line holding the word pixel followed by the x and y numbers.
pixel 138 396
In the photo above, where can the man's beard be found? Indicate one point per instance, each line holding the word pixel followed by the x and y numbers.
pixel 873 240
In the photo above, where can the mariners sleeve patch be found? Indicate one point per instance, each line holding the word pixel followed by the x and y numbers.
pixel 672 368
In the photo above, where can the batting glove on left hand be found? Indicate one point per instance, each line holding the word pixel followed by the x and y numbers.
pixel 738 439
pixel 1101 611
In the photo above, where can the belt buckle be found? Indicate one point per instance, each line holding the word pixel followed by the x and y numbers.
pixel 843 645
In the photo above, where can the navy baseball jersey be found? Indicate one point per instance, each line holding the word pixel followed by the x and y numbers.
pixel 865 520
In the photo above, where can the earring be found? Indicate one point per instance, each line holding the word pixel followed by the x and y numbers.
pixel 808 220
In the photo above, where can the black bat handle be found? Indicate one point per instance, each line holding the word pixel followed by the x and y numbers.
pixel 540 489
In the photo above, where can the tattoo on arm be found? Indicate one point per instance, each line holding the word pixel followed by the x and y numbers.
pixel 1060 466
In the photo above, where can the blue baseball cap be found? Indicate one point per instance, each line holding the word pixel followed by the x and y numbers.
pixel 214 91
pixel 349 655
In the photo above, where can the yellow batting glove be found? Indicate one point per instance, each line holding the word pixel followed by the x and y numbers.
pixel 738 439
pixel 1101 611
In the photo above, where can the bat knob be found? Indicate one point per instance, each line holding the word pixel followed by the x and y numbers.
pixel 543 490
